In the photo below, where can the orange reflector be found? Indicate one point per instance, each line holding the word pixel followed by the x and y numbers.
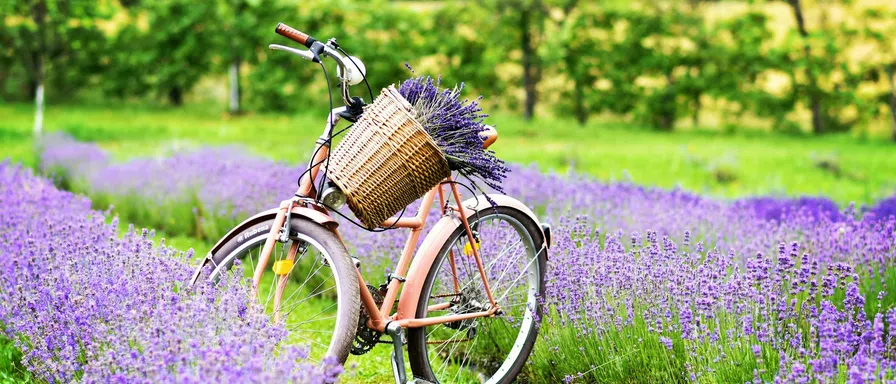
pixel 282 267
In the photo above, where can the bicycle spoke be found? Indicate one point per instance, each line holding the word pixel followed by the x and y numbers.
pixel 525 271
pixel 462 363
pixel 251 261
pixel 318 314
pixel 297 325
pixel 307 301
pixel 294 306
pixel 280 257
pixel 307 278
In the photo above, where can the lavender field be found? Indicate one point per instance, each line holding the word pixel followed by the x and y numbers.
pixel 644 285
pixel 85 304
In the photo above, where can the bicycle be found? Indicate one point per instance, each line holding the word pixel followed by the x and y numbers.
pixel 474 319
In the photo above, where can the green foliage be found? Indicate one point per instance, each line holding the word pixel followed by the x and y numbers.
pixel 656 63
pixel 56 40
pixel 176 48
pixel 384 36
pixel 11 369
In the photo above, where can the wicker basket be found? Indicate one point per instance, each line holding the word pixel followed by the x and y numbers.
pixel 386 161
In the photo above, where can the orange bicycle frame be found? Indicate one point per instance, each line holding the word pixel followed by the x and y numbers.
pixel 411 285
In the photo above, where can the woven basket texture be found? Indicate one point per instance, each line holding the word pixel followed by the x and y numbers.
pixel 386 161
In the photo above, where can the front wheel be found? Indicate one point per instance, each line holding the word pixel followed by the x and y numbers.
pixel 313 294
pixel 484 349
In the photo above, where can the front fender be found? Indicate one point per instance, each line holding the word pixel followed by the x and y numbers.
pixel 270 214
pixel 261 217
pixel 432 244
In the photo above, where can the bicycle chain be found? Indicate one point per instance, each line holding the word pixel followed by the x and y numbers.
pixel 447 341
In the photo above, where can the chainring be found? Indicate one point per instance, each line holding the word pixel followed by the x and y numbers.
pixel 366 338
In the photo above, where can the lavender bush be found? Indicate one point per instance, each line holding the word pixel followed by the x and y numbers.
pixel 680 287
pixel 201 194
pixel 883 209
pixel 83 304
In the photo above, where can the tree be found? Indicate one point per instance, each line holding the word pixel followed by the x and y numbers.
pixel 830 80
pixel 814 97
pixel 880 27
pixel 526 18
pixel 178 46
pixel 247 25
pixel 54 37
pixel 891 74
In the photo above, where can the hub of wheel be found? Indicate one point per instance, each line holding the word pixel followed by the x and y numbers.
pixel 462 304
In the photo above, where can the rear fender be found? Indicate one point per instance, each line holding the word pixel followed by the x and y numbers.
pixel 432 244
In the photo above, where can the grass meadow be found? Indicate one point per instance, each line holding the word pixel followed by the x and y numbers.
pixel 841 167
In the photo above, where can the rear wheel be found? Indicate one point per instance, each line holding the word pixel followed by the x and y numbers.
pixel 318 301
pixel 484 349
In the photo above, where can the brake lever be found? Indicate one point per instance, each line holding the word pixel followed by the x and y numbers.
pixel 303 53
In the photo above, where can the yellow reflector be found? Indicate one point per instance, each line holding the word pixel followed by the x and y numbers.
pixel 468 248
pixel 282 267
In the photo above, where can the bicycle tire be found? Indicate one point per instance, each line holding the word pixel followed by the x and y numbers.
pixel 417 337
pixel 348 295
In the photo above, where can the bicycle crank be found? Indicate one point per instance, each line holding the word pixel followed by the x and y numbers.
pixel 398 368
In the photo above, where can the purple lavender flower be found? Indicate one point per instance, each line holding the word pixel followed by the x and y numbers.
pixel 84 304
pixel 667 342
pixel 455 125
pixel 884 209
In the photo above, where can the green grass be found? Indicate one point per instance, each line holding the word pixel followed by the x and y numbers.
pixel 11 368
pixel 844 168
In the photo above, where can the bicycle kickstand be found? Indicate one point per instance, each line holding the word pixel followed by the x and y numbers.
pixel 398 369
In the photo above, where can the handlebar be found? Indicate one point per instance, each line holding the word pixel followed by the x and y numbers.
pixel 350 69
pixel 295 35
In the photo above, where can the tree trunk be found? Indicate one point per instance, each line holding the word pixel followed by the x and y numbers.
pixel 814 99
pixel 531 67
pixel 175 96
pixel 39 109
pixel 695 115
pixel 668 113
pixel 40 14
pixel 891 72
pixel 3 77
pixel 235 86
pixel 581 111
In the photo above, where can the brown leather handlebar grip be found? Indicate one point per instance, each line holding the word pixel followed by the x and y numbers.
pixel 294 35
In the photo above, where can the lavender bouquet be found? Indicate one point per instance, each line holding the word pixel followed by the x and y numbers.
pixel 454 125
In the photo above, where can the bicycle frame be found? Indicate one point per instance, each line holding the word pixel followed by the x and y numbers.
pixel 381 316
